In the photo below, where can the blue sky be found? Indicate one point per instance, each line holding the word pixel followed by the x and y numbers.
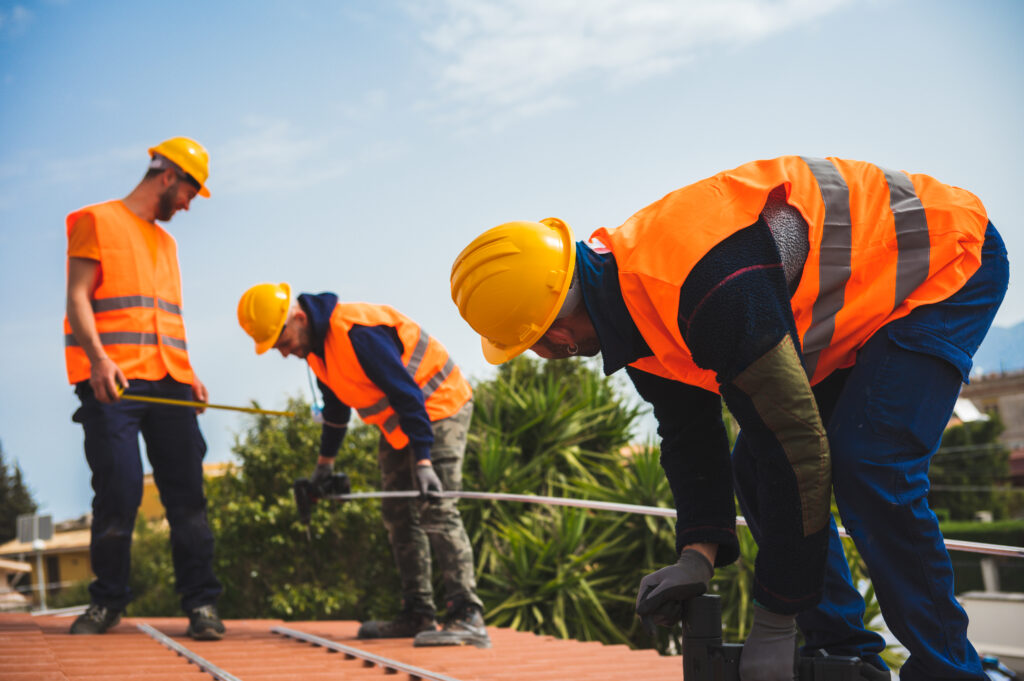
pixel 357 146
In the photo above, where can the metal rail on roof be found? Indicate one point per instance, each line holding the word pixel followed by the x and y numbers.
pixel 951 544
pixel 388 665
pixel 203 664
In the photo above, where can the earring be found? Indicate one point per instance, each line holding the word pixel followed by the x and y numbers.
pixel 572 348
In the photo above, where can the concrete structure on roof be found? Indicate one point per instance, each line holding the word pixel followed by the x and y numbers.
pixel 1003 393
pixel 11 571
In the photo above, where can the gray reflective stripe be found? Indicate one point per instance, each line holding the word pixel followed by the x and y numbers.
pixel 117 338
pixel 128 338
pixel 912 239
pixel 168 307
pixel 174 342
pixel 417 354
pixel 390 424
pixel 415 359
pixel 124 302
pixel 375 408
pixel 833 260
pixel 120 303
pixel 437 379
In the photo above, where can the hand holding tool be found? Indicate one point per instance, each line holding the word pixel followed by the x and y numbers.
pixel 307 494
pixel 320 478
pixel 662 593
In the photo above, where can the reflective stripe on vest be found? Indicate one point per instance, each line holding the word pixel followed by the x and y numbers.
pixel 412 367
pixel 124 302
pixel 128 338
pixel 835 263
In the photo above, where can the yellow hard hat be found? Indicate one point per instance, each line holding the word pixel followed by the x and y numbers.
pixel 189 155
pixel 262 312
pixel 510 282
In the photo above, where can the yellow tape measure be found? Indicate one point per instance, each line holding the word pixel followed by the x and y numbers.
pixel 201 405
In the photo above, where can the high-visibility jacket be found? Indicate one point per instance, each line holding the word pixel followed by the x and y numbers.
pixel 445 390
pixel 882 242
pixel 137 304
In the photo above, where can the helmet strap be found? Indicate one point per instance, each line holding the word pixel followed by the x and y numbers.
pixel 572 298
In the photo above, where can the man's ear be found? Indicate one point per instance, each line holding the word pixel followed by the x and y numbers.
pixel 168 177
pixel 559 334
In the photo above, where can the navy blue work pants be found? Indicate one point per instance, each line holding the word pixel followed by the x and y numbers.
pixel 885 417
pixel 175 448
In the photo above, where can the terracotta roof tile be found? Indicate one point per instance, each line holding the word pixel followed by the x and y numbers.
pixel 40 649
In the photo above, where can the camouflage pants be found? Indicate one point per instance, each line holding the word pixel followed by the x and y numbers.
pixel 415 527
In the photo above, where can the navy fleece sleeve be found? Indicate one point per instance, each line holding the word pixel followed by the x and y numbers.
pixel 695 456
pixel 336 415
pixel 734 305
pixel 379 352
pixel 735 316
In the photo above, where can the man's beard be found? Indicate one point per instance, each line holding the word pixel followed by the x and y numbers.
pixel 165 209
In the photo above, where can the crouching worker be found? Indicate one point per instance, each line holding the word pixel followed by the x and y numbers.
pixel 378 361
pixel 835 306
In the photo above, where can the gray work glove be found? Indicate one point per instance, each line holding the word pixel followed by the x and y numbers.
pixel 321 475
pixel 769 653
pixel 430 484
pixel 661 595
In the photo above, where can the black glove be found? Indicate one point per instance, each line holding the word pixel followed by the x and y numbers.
pixel 321 477
pixel 661 595
pixel 430 484
pixel 769 653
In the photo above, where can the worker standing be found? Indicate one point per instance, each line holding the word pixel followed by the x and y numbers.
pixel 835 306
pixel 124 330
pixel 397 377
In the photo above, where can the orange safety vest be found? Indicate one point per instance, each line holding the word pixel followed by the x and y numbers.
pixel 444 388
pixel 137 305
pixel 882 243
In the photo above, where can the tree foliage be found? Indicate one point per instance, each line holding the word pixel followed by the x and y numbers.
pixel 268 563
pixel 15 498
pixel 971 472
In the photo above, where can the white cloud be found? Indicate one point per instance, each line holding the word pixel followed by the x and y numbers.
pixel 15 20
pixel 516 58
pixel 270 155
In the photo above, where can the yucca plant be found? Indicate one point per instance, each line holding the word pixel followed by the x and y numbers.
pixel 549 576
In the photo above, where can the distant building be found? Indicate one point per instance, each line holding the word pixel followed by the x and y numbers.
pixel 65 556
pixel 1003 393
pixel 11 572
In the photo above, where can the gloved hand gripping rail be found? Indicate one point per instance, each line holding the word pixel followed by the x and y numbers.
pixel 307 494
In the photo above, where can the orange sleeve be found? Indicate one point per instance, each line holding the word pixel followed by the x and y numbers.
pixel 82 241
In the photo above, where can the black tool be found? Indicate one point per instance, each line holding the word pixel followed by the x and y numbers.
pixel 307 494
pixel 706 658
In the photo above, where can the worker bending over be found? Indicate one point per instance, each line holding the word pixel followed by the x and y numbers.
pixel 835 306
pixel 400 379
pixel 124 329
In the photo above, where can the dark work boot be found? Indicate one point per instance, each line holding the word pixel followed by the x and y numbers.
pixel 204 624
pixel 463 626
pixel 96 620
pixel 406 624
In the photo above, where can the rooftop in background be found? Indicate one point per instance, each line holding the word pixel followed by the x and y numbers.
pixel 1003 393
